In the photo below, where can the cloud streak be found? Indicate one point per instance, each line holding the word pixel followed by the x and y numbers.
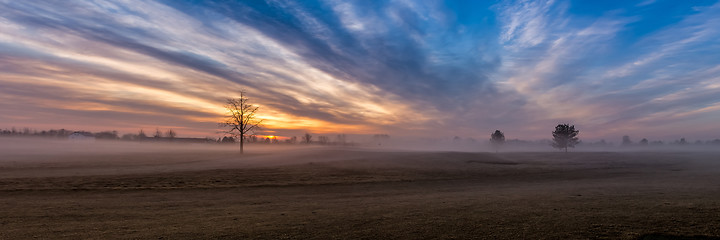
pixel 396 67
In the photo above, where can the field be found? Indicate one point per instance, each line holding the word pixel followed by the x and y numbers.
pixel 60 189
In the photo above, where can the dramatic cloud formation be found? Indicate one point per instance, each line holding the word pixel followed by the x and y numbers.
pixel 425 68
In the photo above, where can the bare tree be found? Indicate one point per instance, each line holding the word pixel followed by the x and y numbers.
pixel 307 138
pixel 323 140
pixel 241 119
pixel 341 139
pixel 158 133
pixel 170 134
pixel 497 139
pixel 565 136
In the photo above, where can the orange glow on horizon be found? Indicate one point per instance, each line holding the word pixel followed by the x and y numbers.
pixel 271 137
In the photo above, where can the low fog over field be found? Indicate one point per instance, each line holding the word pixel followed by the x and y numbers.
pixel 23 156
pixel 371 119
pixel 28 156
pixel 101 189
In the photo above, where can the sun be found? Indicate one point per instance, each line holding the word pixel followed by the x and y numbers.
pixel 269 137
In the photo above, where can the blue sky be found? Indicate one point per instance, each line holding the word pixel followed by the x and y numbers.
pixel 416 68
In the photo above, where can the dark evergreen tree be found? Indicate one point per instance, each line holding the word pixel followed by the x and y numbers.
pixel 497 139
pixel 565 136
pixel 626 140
pixel 170 134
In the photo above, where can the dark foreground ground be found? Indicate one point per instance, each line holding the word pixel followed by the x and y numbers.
pixel 353 194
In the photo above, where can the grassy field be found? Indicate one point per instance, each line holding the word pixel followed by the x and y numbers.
pixel 191 192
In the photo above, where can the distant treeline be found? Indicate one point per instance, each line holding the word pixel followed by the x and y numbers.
pixel 339 139
pixel 56 133
pixel 169 135
pixel 307 138
pixel 645 142
pixel 600 143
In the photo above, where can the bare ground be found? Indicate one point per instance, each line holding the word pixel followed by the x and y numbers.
pixel 359 194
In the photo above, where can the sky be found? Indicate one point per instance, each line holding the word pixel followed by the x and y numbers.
pixel 405 68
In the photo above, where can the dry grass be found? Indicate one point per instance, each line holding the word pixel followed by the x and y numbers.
pixel 335 193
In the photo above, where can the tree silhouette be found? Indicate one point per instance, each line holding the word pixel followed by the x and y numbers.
pixel 323 140
pixel 170 134
pixel 158 133
pixel 141 135
pixel 497 139
pixel 341 139
pixel 241 118
pixel 307 138
pixel 626 140
pixel 565 136
pixel 227 139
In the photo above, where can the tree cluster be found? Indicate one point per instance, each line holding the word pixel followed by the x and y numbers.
pixel 58 133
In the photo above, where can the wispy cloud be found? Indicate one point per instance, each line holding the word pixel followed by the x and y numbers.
pixel 525 22
pixel 403 67
pixel 562 69
pixel 161 45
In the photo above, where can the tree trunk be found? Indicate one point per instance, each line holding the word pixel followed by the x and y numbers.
pixel 242 143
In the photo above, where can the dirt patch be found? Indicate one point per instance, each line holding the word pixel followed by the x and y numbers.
pixel 360 194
